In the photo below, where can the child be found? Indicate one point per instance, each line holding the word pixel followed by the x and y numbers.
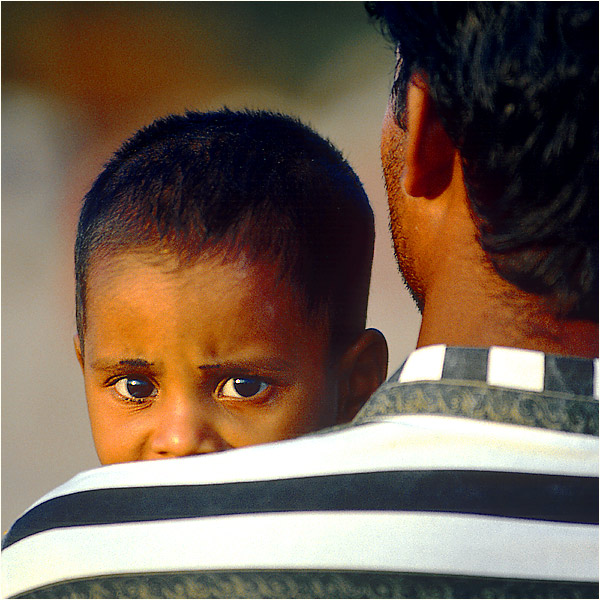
pixel 222 270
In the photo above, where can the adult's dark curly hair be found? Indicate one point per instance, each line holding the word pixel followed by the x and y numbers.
pixel 516 87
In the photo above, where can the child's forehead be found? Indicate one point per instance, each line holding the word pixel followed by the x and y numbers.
pixel 130 290
pixel 160 259
pixel 223 274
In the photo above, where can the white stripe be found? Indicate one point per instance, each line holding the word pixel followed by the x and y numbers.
pixel 424 364
pixel 397 442
pixel 516 368
pixel 596 379
pixel 403 542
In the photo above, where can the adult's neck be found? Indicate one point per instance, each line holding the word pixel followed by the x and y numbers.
pixel 474 307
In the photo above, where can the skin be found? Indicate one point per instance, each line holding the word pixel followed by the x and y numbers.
pixel 463 301
pixel 203 358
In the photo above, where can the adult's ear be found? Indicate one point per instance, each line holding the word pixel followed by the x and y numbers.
pixel 78 353
pixel 430 155
pixel 362 369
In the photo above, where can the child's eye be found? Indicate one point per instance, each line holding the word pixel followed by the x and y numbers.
pixel 135 388
pixel 242 387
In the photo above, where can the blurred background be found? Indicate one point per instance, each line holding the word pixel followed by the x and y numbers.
pixel 80 77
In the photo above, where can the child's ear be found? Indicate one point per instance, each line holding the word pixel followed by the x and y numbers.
pixel 362 369
pixel 77 344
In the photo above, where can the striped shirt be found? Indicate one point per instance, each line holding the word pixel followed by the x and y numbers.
pixel 471 473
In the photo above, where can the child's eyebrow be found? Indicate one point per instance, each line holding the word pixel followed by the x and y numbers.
pixel 274 364
pixel 107 365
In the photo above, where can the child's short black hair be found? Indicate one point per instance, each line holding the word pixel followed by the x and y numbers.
pixel 242 184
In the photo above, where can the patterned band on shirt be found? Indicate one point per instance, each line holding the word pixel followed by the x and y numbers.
pixel 505 385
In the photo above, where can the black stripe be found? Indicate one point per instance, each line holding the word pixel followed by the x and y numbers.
pixel 570 375
pixel 465 364
pixel 564 499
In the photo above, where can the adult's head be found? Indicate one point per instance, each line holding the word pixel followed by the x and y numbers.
pixel 496 102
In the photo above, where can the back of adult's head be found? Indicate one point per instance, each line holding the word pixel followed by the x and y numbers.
pixel 250 185
pixel 515 85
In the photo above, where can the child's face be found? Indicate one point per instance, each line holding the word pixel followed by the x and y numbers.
pixel 199 359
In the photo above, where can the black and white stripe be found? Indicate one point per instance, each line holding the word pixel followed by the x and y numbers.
pixel 397 542
pixel 511 368
pixel 412 494
pixel 559 498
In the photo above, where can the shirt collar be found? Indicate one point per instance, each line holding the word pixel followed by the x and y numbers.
pixel 514 385
pixel 513 368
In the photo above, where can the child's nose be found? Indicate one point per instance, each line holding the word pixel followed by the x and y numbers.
pixel 185 426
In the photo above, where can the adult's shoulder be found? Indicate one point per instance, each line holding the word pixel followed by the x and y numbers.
pixel 398 502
